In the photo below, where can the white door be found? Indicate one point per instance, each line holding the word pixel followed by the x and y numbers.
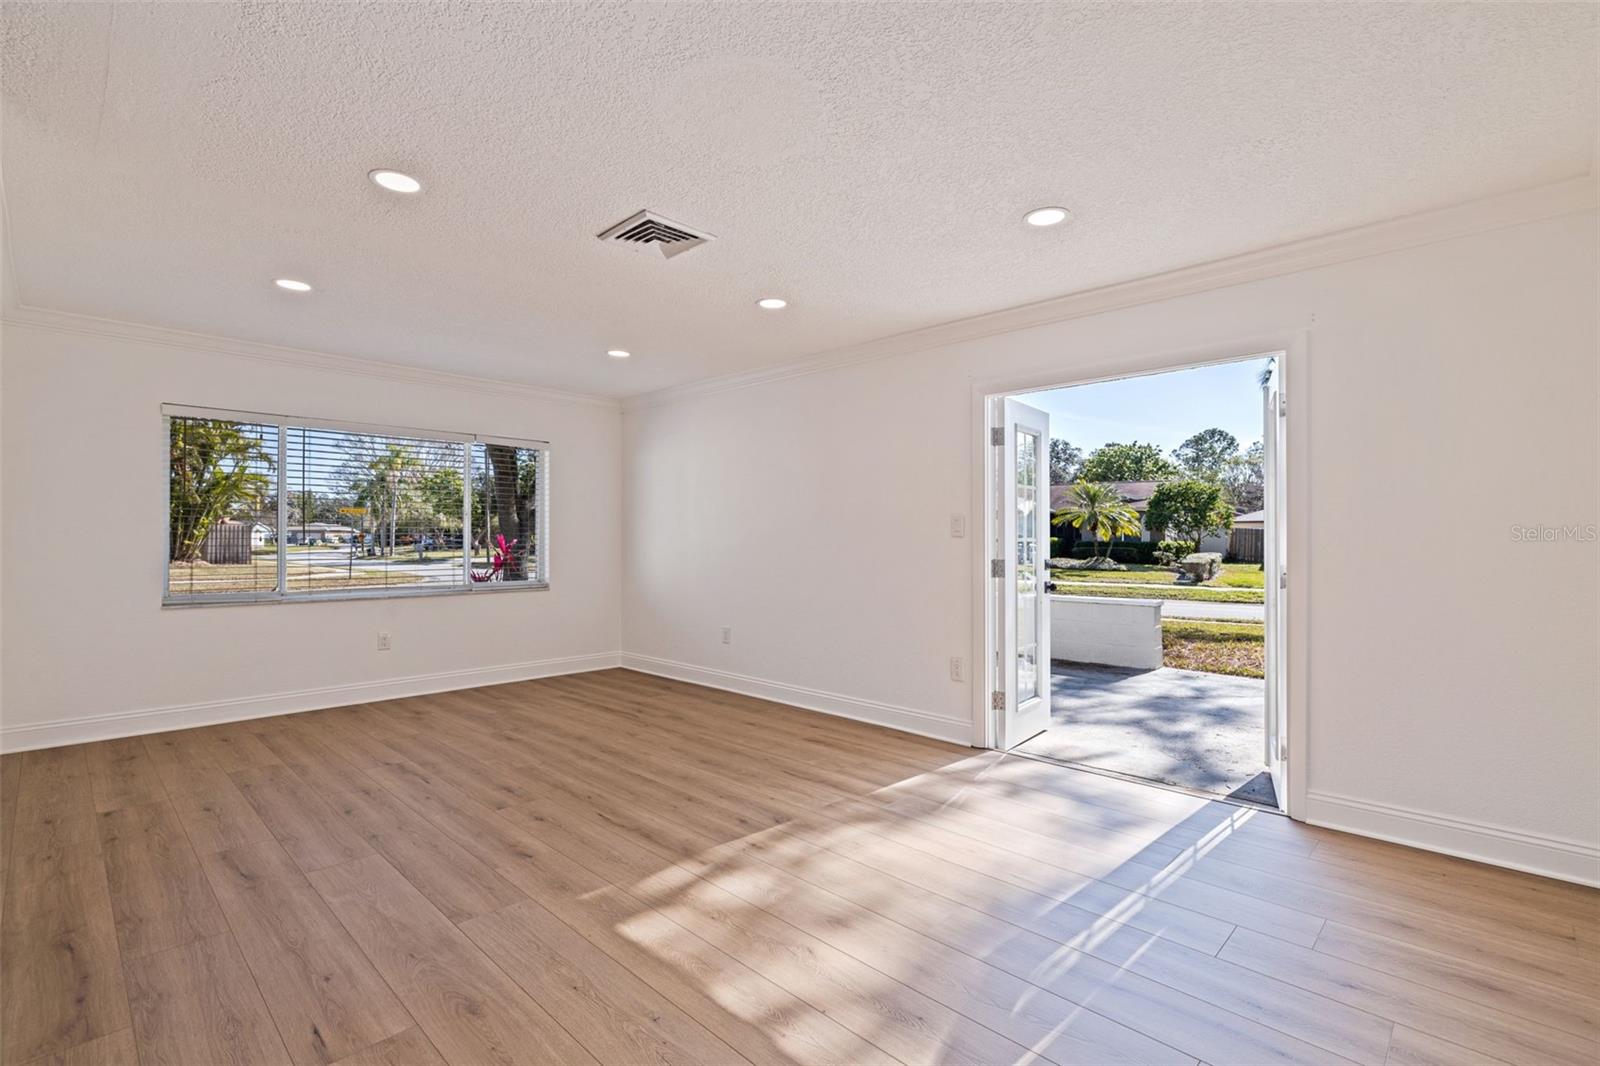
pixel 1022 687
pixel 1276 574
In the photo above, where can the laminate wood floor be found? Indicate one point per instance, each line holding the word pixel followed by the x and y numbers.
pixel 617 868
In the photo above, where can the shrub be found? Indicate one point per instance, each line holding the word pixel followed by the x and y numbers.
pixel 1175 548
pixel 1097 563
pixel 1134 551
pixel 1189 508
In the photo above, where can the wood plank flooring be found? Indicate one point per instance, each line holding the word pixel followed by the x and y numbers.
pixel 617 868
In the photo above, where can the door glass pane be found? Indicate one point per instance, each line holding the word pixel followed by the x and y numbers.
pixel 1028 599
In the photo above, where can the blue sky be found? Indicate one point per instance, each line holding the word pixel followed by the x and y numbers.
pixel 1160 409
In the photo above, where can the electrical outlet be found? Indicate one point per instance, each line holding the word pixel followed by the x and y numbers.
pixel 958 525
pixel 383 640
pixel 958 668
pixel 727 634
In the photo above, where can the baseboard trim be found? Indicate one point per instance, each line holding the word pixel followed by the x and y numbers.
pixel 186 716
pixel 905 719
pixel 1557 857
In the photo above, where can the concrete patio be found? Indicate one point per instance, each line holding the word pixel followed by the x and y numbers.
pixel 1180 727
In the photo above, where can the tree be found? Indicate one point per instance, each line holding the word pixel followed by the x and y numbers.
pixel 306 505
pixel 1244 479
pixel 1206 454
pixel 381 483
pixel 1064 462
pixel 215 467
pixel 1191 507
pixel 512 478
pixel 439 493
pixel 1127 462
pixel 1098 511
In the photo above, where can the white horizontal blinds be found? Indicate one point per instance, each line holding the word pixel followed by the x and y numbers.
pixel 507 513
pixel 372 511
pixel 222 507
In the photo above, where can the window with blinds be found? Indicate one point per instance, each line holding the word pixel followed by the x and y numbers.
pixel 267 508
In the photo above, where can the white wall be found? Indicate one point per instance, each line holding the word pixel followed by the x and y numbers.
pixel 89 651
pixel 1453 698
pixel 1100 629
pixel 1451 678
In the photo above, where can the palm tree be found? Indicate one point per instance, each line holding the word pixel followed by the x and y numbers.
pixel 380 485
pixel 215 467
pixel 1098 510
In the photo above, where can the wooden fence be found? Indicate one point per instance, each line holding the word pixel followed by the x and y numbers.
pixel 1245 546
pixel 228 543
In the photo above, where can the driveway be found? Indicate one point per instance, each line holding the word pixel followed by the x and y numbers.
pixel 404 561
pixel 1181 727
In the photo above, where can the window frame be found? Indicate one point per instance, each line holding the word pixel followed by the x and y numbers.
pixel 282 594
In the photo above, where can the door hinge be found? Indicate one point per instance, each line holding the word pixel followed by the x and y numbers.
pixel 1283 579
pixel 997 700
pixel 997 436
pixel 997 568
pixel 1283 751
pixel 1283 404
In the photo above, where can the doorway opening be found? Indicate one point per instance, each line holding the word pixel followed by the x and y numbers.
pixel 1136 604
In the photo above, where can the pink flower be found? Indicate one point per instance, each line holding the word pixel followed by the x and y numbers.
pixel 502 556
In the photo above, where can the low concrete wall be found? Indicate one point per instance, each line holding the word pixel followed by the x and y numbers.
pixel 1099 629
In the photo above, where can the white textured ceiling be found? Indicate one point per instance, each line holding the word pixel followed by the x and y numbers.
pixel 870 162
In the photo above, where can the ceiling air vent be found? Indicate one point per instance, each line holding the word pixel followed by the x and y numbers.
pixel 654 235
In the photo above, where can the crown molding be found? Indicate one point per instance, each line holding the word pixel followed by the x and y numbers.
pixel 1477 216
pixel 93 326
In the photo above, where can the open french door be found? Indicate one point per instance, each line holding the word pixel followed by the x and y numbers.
pixel 1021 689
pixel 1275 569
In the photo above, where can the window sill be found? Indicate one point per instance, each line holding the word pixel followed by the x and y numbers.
pixel 232 599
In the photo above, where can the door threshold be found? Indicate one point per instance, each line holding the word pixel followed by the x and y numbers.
pixel 1135 780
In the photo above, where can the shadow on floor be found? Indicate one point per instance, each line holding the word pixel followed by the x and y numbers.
pixel 1180 727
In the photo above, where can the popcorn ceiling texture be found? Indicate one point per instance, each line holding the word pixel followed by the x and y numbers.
pixel 871 162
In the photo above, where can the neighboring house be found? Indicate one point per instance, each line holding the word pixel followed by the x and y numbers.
pixel 260 533
pixel 1137 495
pixel 319 533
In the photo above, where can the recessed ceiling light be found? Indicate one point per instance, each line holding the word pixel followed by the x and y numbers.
pixel 292 285
pixel 618 353
pixel 772 303
pixel 1046 216
pixel 395 181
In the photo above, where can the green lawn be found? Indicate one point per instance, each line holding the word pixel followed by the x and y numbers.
pixel 1233 575
pixel 1136 572
pixel 1237 583
pixel 191 579
pixel 1214 647
pixel 1067 584
pixel 1240 576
